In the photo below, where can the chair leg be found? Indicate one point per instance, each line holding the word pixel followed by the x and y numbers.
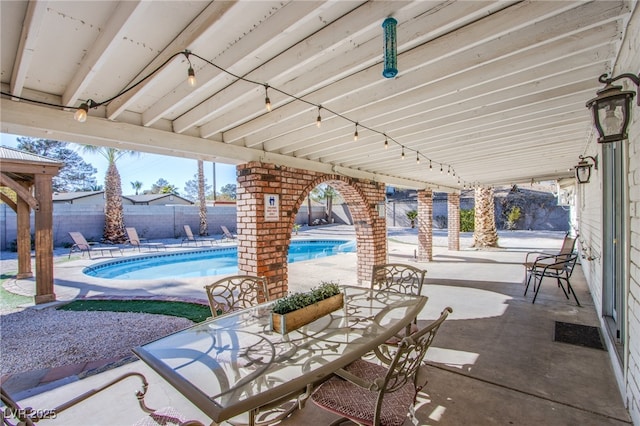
pixel 528 276
pixel 537 288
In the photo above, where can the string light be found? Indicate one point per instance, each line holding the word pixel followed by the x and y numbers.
pixel 267 101
pixel 191 79
pixel 355 135
pixel 191 74
pixel 81 112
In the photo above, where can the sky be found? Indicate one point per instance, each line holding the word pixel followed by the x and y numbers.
pixel 148 168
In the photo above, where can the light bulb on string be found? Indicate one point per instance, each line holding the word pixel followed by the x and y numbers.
pixel 386 142
pixel 267 101
pixel 430 166
pixel 440 168
pixel 449 171
pixel 191 79
pixel 81 113
pixel 319 119
pixel 417 158
pixel 402 152
pixel 355 134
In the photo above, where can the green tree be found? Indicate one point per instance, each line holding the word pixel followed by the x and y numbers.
pixel 75 175
pixel 113 211
pixel 327 194
pixel 162 186
pixel 191 189
pixel 228 191
pixel 137 186
pixel 412 215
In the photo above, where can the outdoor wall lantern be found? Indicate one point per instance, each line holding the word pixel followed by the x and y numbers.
pixel 612 108
pixel 583 169
pixel 390 48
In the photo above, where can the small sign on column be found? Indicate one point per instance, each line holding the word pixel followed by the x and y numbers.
pixel 271 207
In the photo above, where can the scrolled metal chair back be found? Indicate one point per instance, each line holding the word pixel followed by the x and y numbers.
pixel 398 277
pixel 410 354
pixel 236 292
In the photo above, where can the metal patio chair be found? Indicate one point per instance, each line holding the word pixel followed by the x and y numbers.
pixel 372 394
pixel 136 242
pixel 190 238
pixel 236 292
pixel 559 267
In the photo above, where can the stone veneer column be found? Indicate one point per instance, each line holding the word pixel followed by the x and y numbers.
pixel 425 225
pixel 453 211
pixel 263 245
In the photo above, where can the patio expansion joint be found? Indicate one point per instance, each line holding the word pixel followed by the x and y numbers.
pixel 523 392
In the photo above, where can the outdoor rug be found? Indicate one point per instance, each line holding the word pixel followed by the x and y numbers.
pixel 578 334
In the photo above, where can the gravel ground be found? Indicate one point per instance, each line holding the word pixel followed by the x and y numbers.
pixel 34 339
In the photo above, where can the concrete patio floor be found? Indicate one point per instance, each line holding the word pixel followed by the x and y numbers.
pixel 493 362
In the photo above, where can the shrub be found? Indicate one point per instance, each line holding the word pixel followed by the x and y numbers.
pixel 467 218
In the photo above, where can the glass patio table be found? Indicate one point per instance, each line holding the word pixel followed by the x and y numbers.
pixel 235 363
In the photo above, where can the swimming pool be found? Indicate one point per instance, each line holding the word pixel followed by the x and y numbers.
pixel 203 263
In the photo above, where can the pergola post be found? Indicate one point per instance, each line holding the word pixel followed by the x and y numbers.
pixel 44 240
pixel 24 239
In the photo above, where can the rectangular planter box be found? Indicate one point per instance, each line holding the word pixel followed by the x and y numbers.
pixel 284 323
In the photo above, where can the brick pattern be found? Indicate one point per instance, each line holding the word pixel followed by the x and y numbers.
pixel 263 245
pixel 425 225
pixel 453 207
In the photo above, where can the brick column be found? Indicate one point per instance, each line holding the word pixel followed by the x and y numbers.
pixel 263 244
pixel 425 225
pixel 453 211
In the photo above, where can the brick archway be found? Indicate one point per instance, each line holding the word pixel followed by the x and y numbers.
pixel 263 243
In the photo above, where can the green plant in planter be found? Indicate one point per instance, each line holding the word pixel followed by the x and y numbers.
pixel 296 301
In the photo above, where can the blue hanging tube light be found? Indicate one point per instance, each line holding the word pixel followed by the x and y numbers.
pixel 390 48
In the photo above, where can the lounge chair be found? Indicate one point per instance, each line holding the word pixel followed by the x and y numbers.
pixel 190 238
pixel 138 242
pixel 226 235
pixel 80 244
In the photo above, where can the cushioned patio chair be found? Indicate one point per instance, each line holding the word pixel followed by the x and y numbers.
pixel 236 292
pixel 226 234
pixel 136 242
pixel 368 393
pixel 190 238
pixel 83 246
pixel 14 415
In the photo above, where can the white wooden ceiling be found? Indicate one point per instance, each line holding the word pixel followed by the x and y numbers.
pixel 494 91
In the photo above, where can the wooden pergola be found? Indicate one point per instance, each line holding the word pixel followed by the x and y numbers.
pixel 30 176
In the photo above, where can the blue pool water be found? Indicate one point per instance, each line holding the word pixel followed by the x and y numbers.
pixel 203 263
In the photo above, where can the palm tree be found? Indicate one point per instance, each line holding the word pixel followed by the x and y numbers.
pixel 204 230
pixel 113 211
pixel 137 185
pixel 485 233
pixel 327 194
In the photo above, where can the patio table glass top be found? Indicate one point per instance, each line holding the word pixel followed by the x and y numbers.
pixel 235 363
